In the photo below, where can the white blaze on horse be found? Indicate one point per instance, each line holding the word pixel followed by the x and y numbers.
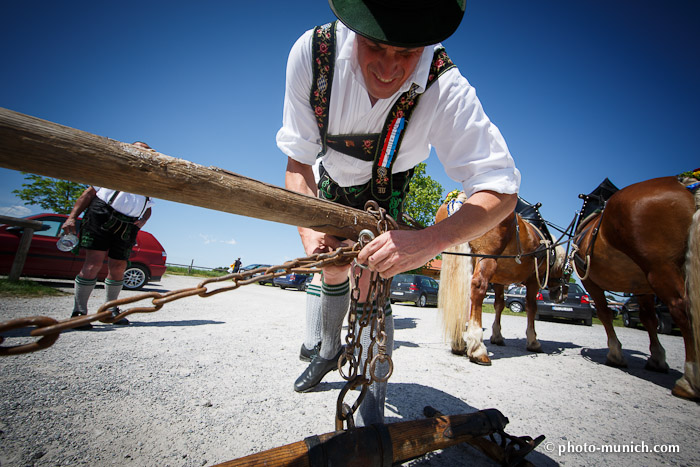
pixel 645 239
pixel 515 251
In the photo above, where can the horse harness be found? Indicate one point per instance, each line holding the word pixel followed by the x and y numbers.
pixel 387 188
pixel 593 204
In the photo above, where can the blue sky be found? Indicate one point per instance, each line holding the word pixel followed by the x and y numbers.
pixel 580 89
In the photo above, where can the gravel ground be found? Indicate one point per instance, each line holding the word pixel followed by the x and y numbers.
pixel 203 381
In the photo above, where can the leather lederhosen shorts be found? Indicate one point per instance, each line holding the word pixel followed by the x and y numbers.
pixel 105 229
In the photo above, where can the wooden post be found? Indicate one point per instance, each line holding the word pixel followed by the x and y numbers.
pixel 37 146
pixel 29 227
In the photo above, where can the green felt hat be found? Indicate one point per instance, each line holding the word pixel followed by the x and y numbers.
pixel 401 23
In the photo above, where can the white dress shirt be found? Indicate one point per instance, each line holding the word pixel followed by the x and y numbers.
pixel 125 203
pixel 448 116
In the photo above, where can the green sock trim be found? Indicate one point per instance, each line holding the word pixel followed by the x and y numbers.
pixel 113 282
pixel 336 290
pixel 387 309
pixel 314 290
pixel 83 281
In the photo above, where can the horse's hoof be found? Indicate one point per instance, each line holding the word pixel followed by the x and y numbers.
pixel 537 349
pixel 500 342
pixel 683 393
pixel 656 367
pixel 613 364
pixel 483 360
pixel 460 352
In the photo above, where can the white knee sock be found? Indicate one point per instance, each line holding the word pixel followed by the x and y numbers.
pixel 112 289
pixel 335 301
pixel 312 337
pixel 83 289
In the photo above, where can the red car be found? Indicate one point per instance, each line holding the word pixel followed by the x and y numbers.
pixel 146 263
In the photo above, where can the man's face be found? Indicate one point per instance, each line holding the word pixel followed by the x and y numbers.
pixel 384 67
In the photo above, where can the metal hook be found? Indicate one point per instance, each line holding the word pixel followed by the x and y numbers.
pixel 365 237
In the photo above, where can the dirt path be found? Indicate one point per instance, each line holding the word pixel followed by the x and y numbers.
pixel 208 380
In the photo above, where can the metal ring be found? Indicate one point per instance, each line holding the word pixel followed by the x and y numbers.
pixel 362 241
pixel 365 233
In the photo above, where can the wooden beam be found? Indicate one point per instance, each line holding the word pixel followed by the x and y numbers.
pixel 41 147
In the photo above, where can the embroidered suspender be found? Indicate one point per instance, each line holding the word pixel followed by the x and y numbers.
pixel 380 148
pixel 323 53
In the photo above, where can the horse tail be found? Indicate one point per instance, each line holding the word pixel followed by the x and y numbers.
pixel 454 294
pixel 692 278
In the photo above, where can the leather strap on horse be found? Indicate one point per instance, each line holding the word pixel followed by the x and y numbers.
pixel 579 262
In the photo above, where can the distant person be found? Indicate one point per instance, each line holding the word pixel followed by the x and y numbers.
pixel 236 265
pixel 109 228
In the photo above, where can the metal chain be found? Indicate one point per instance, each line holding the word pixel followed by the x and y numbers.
pixel 48 329
pixel 377 295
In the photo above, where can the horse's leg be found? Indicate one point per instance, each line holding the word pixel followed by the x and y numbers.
pixel 531 290
pixel 614 357
pixel 668 284
pixel 499 303
pixel 647 315
pixel 476 350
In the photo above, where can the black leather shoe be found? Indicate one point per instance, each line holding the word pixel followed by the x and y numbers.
pixel 306 355
pixel 314 373
pixel 84 327
pixel 121 322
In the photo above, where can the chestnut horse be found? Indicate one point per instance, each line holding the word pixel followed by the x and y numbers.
pixel 647 242
pixel 501 256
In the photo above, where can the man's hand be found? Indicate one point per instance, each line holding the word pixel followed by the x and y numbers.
pixel 318 242
pixel 69 226
pixel 397 251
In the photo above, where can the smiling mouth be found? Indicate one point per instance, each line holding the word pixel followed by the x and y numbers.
pixel 384 80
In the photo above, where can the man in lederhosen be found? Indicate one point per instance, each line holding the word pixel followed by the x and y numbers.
pixel 108 230
pixel 369 95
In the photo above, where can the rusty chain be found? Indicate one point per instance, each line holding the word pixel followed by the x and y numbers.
pixel 377 296
pixel 48 329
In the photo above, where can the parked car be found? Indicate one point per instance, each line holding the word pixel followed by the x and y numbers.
pixel 614 306
pixel 250 267
pixel 253 266
pixel 416 288
pixel 146 263
pixel 293 280
pixel 630 315
pixel 270 281
pixel 515 298
pixel 577 305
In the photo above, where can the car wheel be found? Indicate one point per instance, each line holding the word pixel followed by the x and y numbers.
pixel 392 301
pixel 135 277
pixel 282 287
pixel 516 307
pixel 626 319
pixel 588 321
pixel 422 300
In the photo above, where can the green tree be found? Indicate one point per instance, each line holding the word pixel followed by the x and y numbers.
pixel 424 197
pixel 51 194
